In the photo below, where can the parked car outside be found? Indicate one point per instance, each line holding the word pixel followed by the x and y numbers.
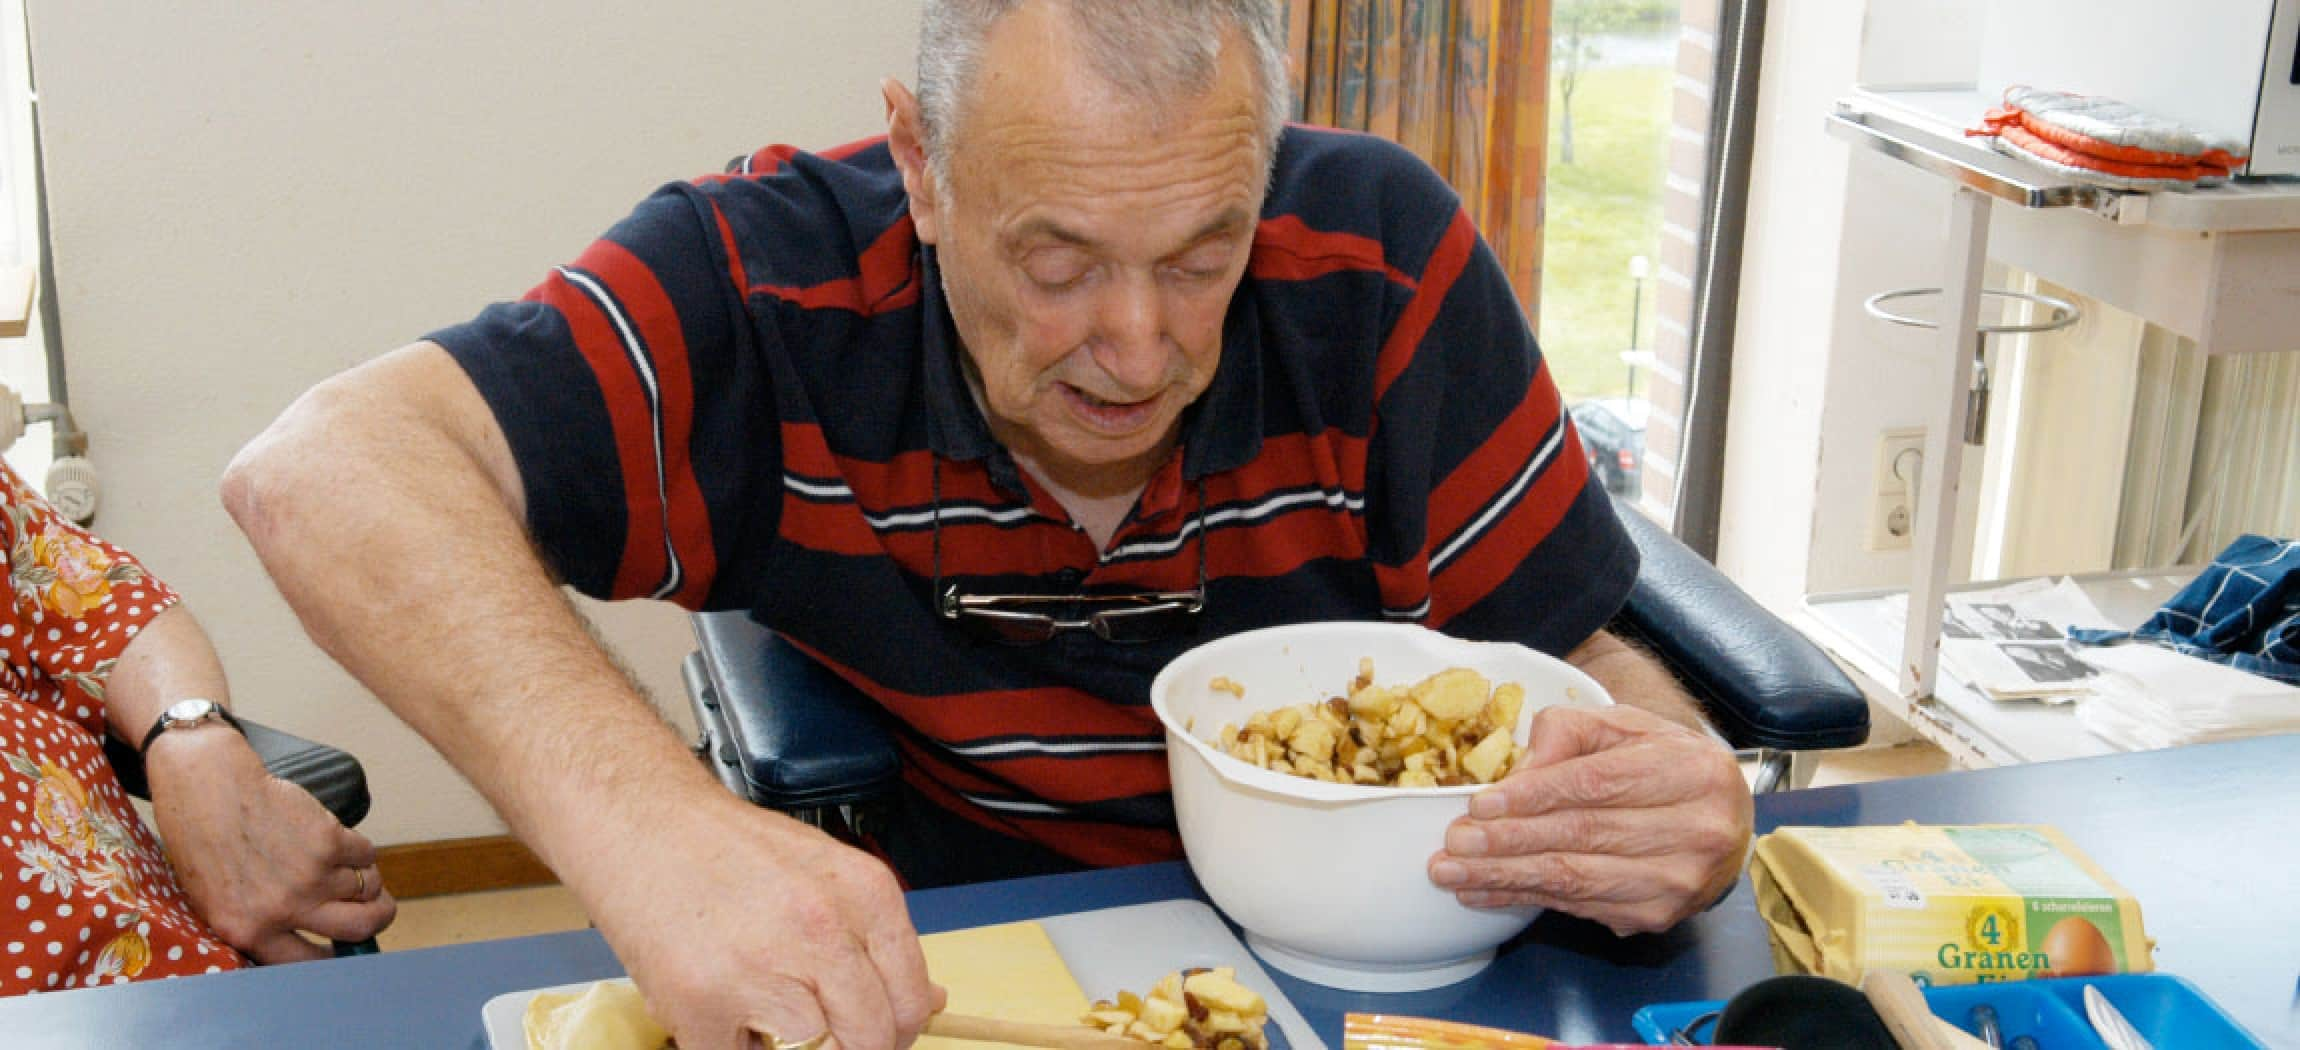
pixel 1613 434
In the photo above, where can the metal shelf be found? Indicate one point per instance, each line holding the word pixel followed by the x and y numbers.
pixel 1963 163
pixel 1926 130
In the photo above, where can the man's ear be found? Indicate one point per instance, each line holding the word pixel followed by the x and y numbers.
pixel 906 139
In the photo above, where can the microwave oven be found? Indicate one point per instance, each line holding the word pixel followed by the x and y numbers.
pixel 2229 68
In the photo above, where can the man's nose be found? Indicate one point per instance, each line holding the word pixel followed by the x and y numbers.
pixel 1130 333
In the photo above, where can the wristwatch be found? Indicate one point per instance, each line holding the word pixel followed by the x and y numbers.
pixel 184 714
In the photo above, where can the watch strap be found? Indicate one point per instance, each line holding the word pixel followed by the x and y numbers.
pixel 163 724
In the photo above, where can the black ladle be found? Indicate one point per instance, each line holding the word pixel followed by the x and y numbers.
pixel 1802 1013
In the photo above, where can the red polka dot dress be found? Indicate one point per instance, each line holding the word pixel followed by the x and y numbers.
pixel 86 895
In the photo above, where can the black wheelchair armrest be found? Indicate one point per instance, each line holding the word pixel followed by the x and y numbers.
pixel 332 777
pixel 1764 684
pixel 797 737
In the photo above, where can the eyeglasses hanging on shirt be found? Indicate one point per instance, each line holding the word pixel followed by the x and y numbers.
pixel 1030 619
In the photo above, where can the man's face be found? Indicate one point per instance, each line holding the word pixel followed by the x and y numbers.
pixel 1090 247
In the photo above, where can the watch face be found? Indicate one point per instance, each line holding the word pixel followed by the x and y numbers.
pixel 193 710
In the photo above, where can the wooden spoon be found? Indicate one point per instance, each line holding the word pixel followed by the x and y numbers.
pixel 1028 1033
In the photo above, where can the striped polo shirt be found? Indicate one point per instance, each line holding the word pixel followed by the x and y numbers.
pixel 748 394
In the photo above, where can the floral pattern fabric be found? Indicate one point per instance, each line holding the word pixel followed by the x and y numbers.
pixel 86 895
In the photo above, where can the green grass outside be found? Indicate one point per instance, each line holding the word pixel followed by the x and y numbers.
pixel 1602 209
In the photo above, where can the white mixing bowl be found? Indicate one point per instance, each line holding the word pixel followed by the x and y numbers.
pixel 1330 881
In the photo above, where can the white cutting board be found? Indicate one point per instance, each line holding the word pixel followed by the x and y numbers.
pixel 1129 948
pixel 1106 951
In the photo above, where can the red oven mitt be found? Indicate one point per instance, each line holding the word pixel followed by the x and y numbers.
pixel 2106 142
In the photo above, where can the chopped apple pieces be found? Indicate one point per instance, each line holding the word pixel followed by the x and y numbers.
pixel 1451 728
pixel 1197 1009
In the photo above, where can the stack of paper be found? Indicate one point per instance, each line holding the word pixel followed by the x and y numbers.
pixel 2011 642
pixel 2146 697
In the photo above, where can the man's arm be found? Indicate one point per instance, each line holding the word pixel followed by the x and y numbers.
pixel 387 505
pixel 1632 676
pixel 1632 816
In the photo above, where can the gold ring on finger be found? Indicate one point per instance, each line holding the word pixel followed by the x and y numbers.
pixel 361 875
pixel 775 1042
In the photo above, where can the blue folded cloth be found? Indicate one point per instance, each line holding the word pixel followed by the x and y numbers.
pixel 2242 611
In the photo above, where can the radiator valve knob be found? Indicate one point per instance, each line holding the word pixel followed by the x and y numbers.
pixel 73 488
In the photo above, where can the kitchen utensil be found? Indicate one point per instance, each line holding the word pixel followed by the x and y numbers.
pixel 1800 1012
pixel 1395 1032
pixel 1128 948
pixel 1027 1033
pixel 2114 1030
pixel 1985 1021
pixel 1955 1038
pixel 1903 1009
pixel 1689 1033
pixel 1331 881
pixel 2050 1010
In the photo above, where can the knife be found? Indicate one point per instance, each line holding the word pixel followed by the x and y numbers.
pixel 2114 1030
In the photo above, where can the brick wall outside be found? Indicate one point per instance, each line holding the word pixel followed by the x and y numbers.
pixel 1682 199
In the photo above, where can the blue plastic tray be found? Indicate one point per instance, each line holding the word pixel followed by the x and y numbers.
pixel 2167 1010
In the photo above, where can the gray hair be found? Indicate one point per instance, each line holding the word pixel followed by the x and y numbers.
pixel 1150 50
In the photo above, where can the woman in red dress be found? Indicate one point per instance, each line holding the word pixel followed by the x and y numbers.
pixel 89 644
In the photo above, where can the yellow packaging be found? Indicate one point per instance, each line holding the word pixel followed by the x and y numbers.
pixel 1946 905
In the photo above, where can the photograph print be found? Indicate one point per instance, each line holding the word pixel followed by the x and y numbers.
pixel 2005 623
pixel 2048 664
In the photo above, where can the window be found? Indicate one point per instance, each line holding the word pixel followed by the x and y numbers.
pixel 23 358
pixel 1578 133
pixel 1613 75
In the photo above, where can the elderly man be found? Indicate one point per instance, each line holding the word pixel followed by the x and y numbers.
pixel 1089 322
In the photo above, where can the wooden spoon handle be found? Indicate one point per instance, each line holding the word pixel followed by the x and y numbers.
pixel 1955 1037
pixel 1028 1033
pixel 1903 1009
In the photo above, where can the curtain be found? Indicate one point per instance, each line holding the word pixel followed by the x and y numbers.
pixel 1464 84
pixel 2119 444
pixel 2241 460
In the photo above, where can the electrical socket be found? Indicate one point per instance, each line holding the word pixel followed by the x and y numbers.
pixel 1893 510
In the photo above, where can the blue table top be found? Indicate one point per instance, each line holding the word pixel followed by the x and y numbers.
pixel 2206 837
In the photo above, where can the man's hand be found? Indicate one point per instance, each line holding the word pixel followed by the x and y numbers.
pixel 1615 815
pixel 259 857
pixel 742 927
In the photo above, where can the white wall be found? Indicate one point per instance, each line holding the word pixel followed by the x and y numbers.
pixel 2197 63
pixel 1782 343
pixel 249 197
pixel 1915 44
pixel 1816 381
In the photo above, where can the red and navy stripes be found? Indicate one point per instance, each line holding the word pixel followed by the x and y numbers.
pixel 748 395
